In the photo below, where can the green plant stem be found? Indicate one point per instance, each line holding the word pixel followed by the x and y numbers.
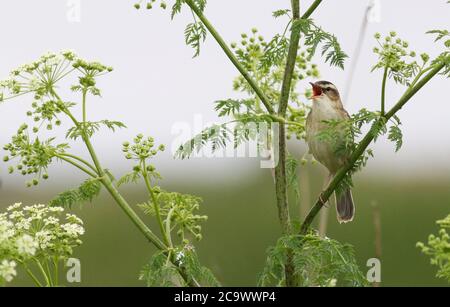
pixel 280 169
pixel 49 273
pixel 383 92
pixel 365 142
pixel 41 268
pixel 169 228
pixel 229 53
pixel 32 276
pixel 152 195
pixel 80 160
pixel 131 214
pixel 123 204
pixel 55 264
pixel 84 93
pixel 311 9
pixel 82 168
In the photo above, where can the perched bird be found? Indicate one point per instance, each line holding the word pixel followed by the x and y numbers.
pixel 327 105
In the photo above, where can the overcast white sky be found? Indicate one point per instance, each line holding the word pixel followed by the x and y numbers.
pixel 156 82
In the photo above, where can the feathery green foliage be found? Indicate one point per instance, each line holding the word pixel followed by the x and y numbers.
pixel 160 272
pixel 86 192
pixel 394 58
pixel 314 36
pixel 292 165
pixel 175 213
pixel 343 135
pixel 265 62
pixel 195 32
pixel 438 248
pixel 33 151
pixel 443 35
pixel 318 262
pixel 91 127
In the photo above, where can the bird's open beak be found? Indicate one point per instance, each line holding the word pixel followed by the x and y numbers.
pixel 317 90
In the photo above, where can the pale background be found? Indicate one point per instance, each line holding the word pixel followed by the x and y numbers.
pixel 156 84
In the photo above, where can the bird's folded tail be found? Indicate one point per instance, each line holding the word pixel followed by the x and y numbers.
pixel 344 206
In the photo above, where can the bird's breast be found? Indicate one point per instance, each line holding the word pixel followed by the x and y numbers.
pixel 323 151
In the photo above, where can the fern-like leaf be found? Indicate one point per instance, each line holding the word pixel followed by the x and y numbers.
pixel 86 192
pixel 195 34
pixel 317 262
pixel 315 36
pixel 396 136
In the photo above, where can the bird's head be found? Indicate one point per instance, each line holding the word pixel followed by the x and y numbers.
pixel 323 90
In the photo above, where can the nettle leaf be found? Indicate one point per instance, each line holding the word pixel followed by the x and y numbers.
pixel 195 34
pixel 86 192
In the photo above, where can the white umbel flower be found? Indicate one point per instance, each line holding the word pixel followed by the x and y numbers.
pixel 44 239
pixel 6 230
pixel 26 245
pixel 36 233
pixel 73 230
pixel 14 207
pixel 7 270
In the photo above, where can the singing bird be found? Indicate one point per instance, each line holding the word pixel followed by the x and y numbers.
pixel 326 106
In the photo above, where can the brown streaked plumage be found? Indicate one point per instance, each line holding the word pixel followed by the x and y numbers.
pixel 327 105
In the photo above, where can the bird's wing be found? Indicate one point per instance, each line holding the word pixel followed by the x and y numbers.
pixel 344 113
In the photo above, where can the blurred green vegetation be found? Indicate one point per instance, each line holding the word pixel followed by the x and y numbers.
pixel 243 224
